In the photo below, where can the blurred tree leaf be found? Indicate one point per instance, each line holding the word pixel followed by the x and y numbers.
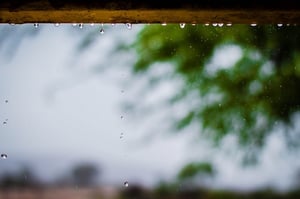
pixel 193 169
pixel 245 98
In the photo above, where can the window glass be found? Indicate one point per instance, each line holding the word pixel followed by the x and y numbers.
pixel 149 111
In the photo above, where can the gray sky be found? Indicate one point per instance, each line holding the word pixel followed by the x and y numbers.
pixel 60 112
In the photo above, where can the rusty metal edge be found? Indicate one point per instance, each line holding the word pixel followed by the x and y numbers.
pixel 150 16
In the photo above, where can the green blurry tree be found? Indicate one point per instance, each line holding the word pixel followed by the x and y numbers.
pixel 247 98
pixel 24 178
pixel 85 174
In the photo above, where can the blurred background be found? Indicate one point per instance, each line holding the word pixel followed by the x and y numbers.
pixel 149 111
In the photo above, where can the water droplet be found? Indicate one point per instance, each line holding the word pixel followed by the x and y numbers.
pixel 280 24
pixel 102 31
pixel 36 25
pixel 182 25
pixel 126 184
pixel 214 24
pixel 80 25
pixel 3 156
pixel 56 24
pixel 220 24
pixel 5 122
pixel 6 101
pixel 129 26
pixel 163 23
pixel 122 117
pixel 253 24
pixel 207 24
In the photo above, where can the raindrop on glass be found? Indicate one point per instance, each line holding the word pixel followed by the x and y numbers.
pixel 280 24
pixel 164 24
pixel 80 25
pixel 182 25
pixel 214 24
pixel 36 25
pixel 56 24
pixel 102 31
pixel 126 184
pixel 129 26
pixel 3 156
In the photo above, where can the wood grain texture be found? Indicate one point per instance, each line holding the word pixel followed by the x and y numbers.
pixel 134 11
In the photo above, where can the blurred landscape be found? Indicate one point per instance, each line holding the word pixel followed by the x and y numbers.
pixel 12 188
pixel 96 111
pixel 80 185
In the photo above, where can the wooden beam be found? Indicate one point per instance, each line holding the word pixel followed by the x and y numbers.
pixel 150 11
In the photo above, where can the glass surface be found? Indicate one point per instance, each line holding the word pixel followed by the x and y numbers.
pixel 149 111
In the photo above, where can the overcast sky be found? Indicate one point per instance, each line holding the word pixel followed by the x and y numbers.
pixel 62 111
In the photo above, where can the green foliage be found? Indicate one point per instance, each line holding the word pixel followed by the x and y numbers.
pixel 193 169
pixel 244 99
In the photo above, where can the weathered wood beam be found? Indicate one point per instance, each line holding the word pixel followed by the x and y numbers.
pixel 149 11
